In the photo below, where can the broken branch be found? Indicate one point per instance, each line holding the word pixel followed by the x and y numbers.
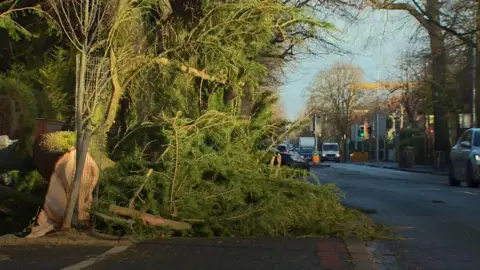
pixel 149 219
pixel 132 200
pixel 15 194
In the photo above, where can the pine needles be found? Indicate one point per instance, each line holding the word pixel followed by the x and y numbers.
pixel 209 175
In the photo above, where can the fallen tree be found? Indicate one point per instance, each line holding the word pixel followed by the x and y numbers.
pixel 211 180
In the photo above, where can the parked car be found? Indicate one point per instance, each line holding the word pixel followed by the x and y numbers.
pixel 282 148
pixel 464 161
pixel 294 160
pixel 306 153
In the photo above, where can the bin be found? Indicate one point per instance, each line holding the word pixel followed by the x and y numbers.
pixel 407 158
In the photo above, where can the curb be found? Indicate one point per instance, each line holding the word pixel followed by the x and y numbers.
pixel 404 169
pixel 14 241
pixel 361 259
pixel 321 166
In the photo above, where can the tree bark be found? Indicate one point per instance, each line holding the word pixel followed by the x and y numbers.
pixel 439 63
pixel 437 46
pixel 148 219
pixel 72 203
pixel 477 65
pixel 7 192
pixel 83 140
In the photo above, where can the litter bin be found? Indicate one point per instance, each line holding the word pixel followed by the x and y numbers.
pixel 407 158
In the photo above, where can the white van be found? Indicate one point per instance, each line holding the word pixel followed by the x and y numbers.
pixel 330 151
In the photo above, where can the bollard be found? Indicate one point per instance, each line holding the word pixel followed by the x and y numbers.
pixel 316 158
pixel 440 160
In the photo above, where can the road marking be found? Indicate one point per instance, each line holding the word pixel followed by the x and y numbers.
pixel 466 192
pixel 432 189
pixel 94 260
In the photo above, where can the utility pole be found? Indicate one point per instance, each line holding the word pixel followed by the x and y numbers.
pixel 355 135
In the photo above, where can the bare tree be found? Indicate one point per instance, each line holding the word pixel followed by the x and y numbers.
pixel 438 59
pixel 335 95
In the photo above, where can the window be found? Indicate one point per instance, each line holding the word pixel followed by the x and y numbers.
pixel 305 150
pixel 476 139
pixel 282 148
pixel 467 136
pixel 330 147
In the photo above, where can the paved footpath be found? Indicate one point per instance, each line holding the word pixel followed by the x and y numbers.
pixel 194 253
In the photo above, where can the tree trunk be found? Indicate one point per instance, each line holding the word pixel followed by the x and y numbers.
pixel 476 66
pixel 83 140
pixel 72 203
pixel 437 46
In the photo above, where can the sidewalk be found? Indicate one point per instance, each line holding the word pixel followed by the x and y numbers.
pixel 196 253
pixel 394 166
pixel 46 256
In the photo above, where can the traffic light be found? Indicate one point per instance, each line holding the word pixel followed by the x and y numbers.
pixel 361 132
pixel 370 130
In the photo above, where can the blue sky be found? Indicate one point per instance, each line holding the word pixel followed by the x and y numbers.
pixel 375 43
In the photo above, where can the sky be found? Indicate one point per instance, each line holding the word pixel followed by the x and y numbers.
pixel 374 43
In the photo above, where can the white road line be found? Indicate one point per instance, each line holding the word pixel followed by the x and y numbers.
pixel 94 260
pixel 466 192
pixel 433 189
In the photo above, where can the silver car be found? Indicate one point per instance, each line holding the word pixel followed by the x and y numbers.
pixel 464 163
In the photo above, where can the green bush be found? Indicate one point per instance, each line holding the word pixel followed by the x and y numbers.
pixel 26 182
pixel 414 138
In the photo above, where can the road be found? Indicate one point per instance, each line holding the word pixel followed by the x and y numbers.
pixel 440 224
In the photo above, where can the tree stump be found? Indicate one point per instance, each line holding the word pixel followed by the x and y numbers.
pixel 58 168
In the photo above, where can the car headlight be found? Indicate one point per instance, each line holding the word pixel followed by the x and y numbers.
pixel 338 155
pixel 477 157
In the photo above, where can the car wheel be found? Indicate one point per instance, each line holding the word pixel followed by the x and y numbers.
pixel 470 178
pixel 337 161
pixel 452 181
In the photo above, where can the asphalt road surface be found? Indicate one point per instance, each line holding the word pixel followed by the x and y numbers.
pixel 440 224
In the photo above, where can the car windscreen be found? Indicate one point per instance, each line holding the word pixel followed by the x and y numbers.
pixel 305 150
pixel 282 148
pixel 330 147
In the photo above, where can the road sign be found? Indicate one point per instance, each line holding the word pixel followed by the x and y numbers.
pixel 380 125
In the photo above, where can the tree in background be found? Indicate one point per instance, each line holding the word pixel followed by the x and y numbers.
pixel 440 20
pixel 335 96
